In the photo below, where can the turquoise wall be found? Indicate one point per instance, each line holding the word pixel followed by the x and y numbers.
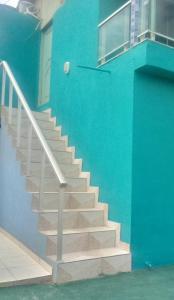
pixel 94 108
pixel 107 7
pixel 19 46
pixel 153 171
pixel 97 112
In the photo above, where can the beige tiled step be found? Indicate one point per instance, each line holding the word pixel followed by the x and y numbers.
pixel 37 115
pixel 91 244
pixel 72 200
pixel 73 219
pixel 72 170
pixel 48 134
pixel 92 264
pixel 82 239
pixel 43 124
pixel 59 145
pixel 64 157
pixel 52 184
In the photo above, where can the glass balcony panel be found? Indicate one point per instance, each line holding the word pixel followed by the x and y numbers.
pixel 114 33
pixel 164 17
pixel 144 20
pixel 157 16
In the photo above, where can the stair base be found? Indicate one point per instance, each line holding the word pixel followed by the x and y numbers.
pixel 90 264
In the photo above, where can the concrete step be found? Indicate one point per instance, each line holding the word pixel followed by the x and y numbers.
pixel 43 124
pixel 77 218
pixel 91 264
pixel 52 184
pixel 48 134
pixel 82 239
pixel 59 145
pixel 72 200
pixel 72 170
pixel 64 157
pixel 37 115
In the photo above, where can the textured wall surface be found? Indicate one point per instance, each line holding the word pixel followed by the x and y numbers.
pixel 153 161
pixel 94 108
pixel 19 46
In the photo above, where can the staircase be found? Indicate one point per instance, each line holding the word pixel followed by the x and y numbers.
pixel 91 244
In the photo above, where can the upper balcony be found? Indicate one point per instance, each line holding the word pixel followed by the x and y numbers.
pixel 134 22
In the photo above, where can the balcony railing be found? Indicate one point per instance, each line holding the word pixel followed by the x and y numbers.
pixel 154 19
pixel 114 33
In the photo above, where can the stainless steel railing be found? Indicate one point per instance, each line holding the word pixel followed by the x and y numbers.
pixel 22 106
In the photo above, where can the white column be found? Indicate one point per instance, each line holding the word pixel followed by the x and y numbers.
pixel 134 21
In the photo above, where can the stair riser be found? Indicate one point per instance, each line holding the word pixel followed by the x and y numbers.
pixel 48 134
pixel 42 124
pixel 36 156
pixel 54 145
pixel 72 220
pixel 68 170
pixel 88 269
pixel 37 115
pixel 74 185
pixel 85 254
pixel 82 242
pixel 71 201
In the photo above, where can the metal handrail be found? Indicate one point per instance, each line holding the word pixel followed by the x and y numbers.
pixel 39 134
pixel 22 103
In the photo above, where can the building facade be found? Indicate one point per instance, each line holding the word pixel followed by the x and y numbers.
pixel 105 68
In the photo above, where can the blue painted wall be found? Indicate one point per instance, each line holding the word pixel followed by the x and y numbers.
pixel 16 215
pixel 20 45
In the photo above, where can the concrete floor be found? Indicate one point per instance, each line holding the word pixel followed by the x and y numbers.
pixel 142 285
pixel 17 266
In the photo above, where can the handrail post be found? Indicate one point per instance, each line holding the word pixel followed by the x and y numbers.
pixel 3 87
pixel 19 123
pixel 60 224
pixel 30 131
pixel 42 176
pixel 10 106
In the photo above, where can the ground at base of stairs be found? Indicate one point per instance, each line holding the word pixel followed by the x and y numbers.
pixel 155 284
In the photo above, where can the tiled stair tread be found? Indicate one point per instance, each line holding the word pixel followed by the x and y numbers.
pixel 69 210
pixel 45 115
pixel 44 121
pixel 82 175
pixel 68 150
pixel 79 230
pixel 75 162
pixel 91 254
pixel 35 139
pixel 71 193
pixel 56 130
